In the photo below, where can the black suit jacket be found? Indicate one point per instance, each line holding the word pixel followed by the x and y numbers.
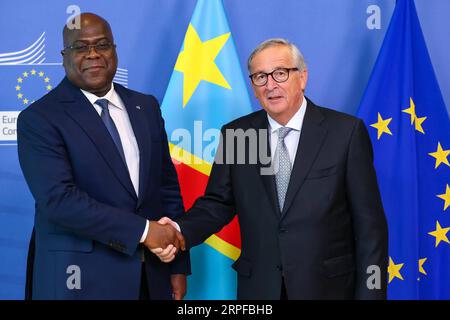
pixel 332 226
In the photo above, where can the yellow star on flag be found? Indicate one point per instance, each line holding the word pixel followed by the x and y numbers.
pixel 18 88
pixel 414 118
pixel 411 110
pixel 446 197
pixel 41 74
pixel 440 155
pixel 382 126
pixel 33 72
pixel 47 79
pixel 49 87
pixel 440 234
pixel 19 96
pixel 196 62
pixel 25 74
pixel 394 270
pixel 19 80
pixel 418 124
pixel 25 101
pixel 421 269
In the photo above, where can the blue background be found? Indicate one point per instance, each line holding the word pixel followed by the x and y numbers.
pixel 332 34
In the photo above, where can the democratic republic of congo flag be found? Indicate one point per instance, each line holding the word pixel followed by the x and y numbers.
pixel 206 90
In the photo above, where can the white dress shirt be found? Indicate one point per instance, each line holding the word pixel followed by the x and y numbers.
pixel 292 138
pixel 120 117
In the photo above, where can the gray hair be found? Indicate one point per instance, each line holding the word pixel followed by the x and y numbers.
pixel 297 56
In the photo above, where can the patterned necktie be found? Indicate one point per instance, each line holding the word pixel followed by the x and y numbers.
pixel 283 173
pixel 109 123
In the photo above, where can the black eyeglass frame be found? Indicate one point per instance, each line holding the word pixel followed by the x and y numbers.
pixel 86 48
pixel 288 70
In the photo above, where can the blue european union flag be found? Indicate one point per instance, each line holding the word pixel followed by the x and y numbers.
pixel 410 132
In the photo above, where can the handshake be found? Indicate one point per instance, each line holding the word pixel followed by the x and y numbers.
pixel 164 239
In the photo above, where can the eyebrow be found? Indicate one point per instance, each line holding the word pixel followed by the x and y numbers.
pixel 87 41
pixel 278 67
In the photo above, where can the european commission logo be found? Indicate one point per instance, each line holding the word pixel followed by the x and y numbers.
pixel 26 76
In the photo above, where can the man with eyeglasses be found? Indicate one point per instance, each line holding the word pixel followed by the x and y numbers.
pixel 96 159
pixel 315 228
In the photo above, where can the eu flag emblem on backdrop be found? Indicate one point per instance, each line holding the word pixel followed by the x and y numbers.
pixel 205 91
pixel 410 132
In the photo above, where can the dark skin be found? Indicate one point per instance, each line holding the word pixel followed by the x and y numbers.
pixel 160 236
pixel 94 72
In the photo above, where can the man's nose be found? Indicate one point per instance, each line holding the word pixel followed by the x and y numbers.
pixel 271 84
pixel 92 53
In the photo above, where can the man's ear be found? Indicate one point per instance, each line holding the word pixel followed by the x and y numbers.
pixel 63 54
pixel 304 79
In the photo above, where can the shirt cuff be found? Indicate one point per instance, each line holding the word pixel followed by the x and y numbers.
pixel 144 235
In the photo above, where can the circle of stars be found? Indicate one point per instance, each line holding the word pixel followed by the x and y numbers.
pixel 27 75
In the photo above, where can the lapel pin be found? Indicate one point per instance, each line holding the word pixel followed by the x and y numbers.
pixel 138 107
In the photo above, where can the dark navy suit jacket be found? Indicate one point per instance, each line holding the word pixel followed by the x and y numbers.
pixel 88 216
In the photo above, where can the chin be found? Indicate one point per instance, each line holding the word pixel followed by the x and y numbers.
pixel 276 109
pixel 100 84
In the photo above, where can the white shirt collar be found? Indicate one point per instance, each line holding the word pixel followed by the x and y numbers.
pixel 295 122
pixel 111 96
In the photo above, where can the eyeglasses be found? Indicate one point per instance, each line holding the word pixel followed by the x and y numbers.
pixel 279 75
pixel 86 48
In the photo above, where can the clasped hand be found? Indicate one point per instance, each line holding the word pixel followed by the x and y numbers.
pixel 164 234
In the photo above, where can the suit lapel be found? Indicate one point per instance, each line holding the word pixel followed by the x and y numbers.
pixel 81 111
pixel 268 180
pixel 142 131
pixel 311 140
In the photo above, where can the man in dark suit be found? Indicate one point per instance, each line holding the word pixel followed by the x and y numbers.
pixel 96 159
pixel 315 228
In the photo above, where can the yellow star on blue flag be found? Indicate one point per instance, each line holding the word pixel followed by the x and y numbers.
pixel 196 62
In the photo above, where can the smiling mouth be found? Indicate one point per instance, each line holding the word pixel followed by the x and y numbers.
pixel 93 68
pixel 274 98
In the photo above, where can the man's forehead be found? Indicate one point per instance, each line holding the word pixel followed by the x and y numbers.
pixel 89 33
pixel 89 23
pixel 275 52
pixel 90 38
pixel 272 59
